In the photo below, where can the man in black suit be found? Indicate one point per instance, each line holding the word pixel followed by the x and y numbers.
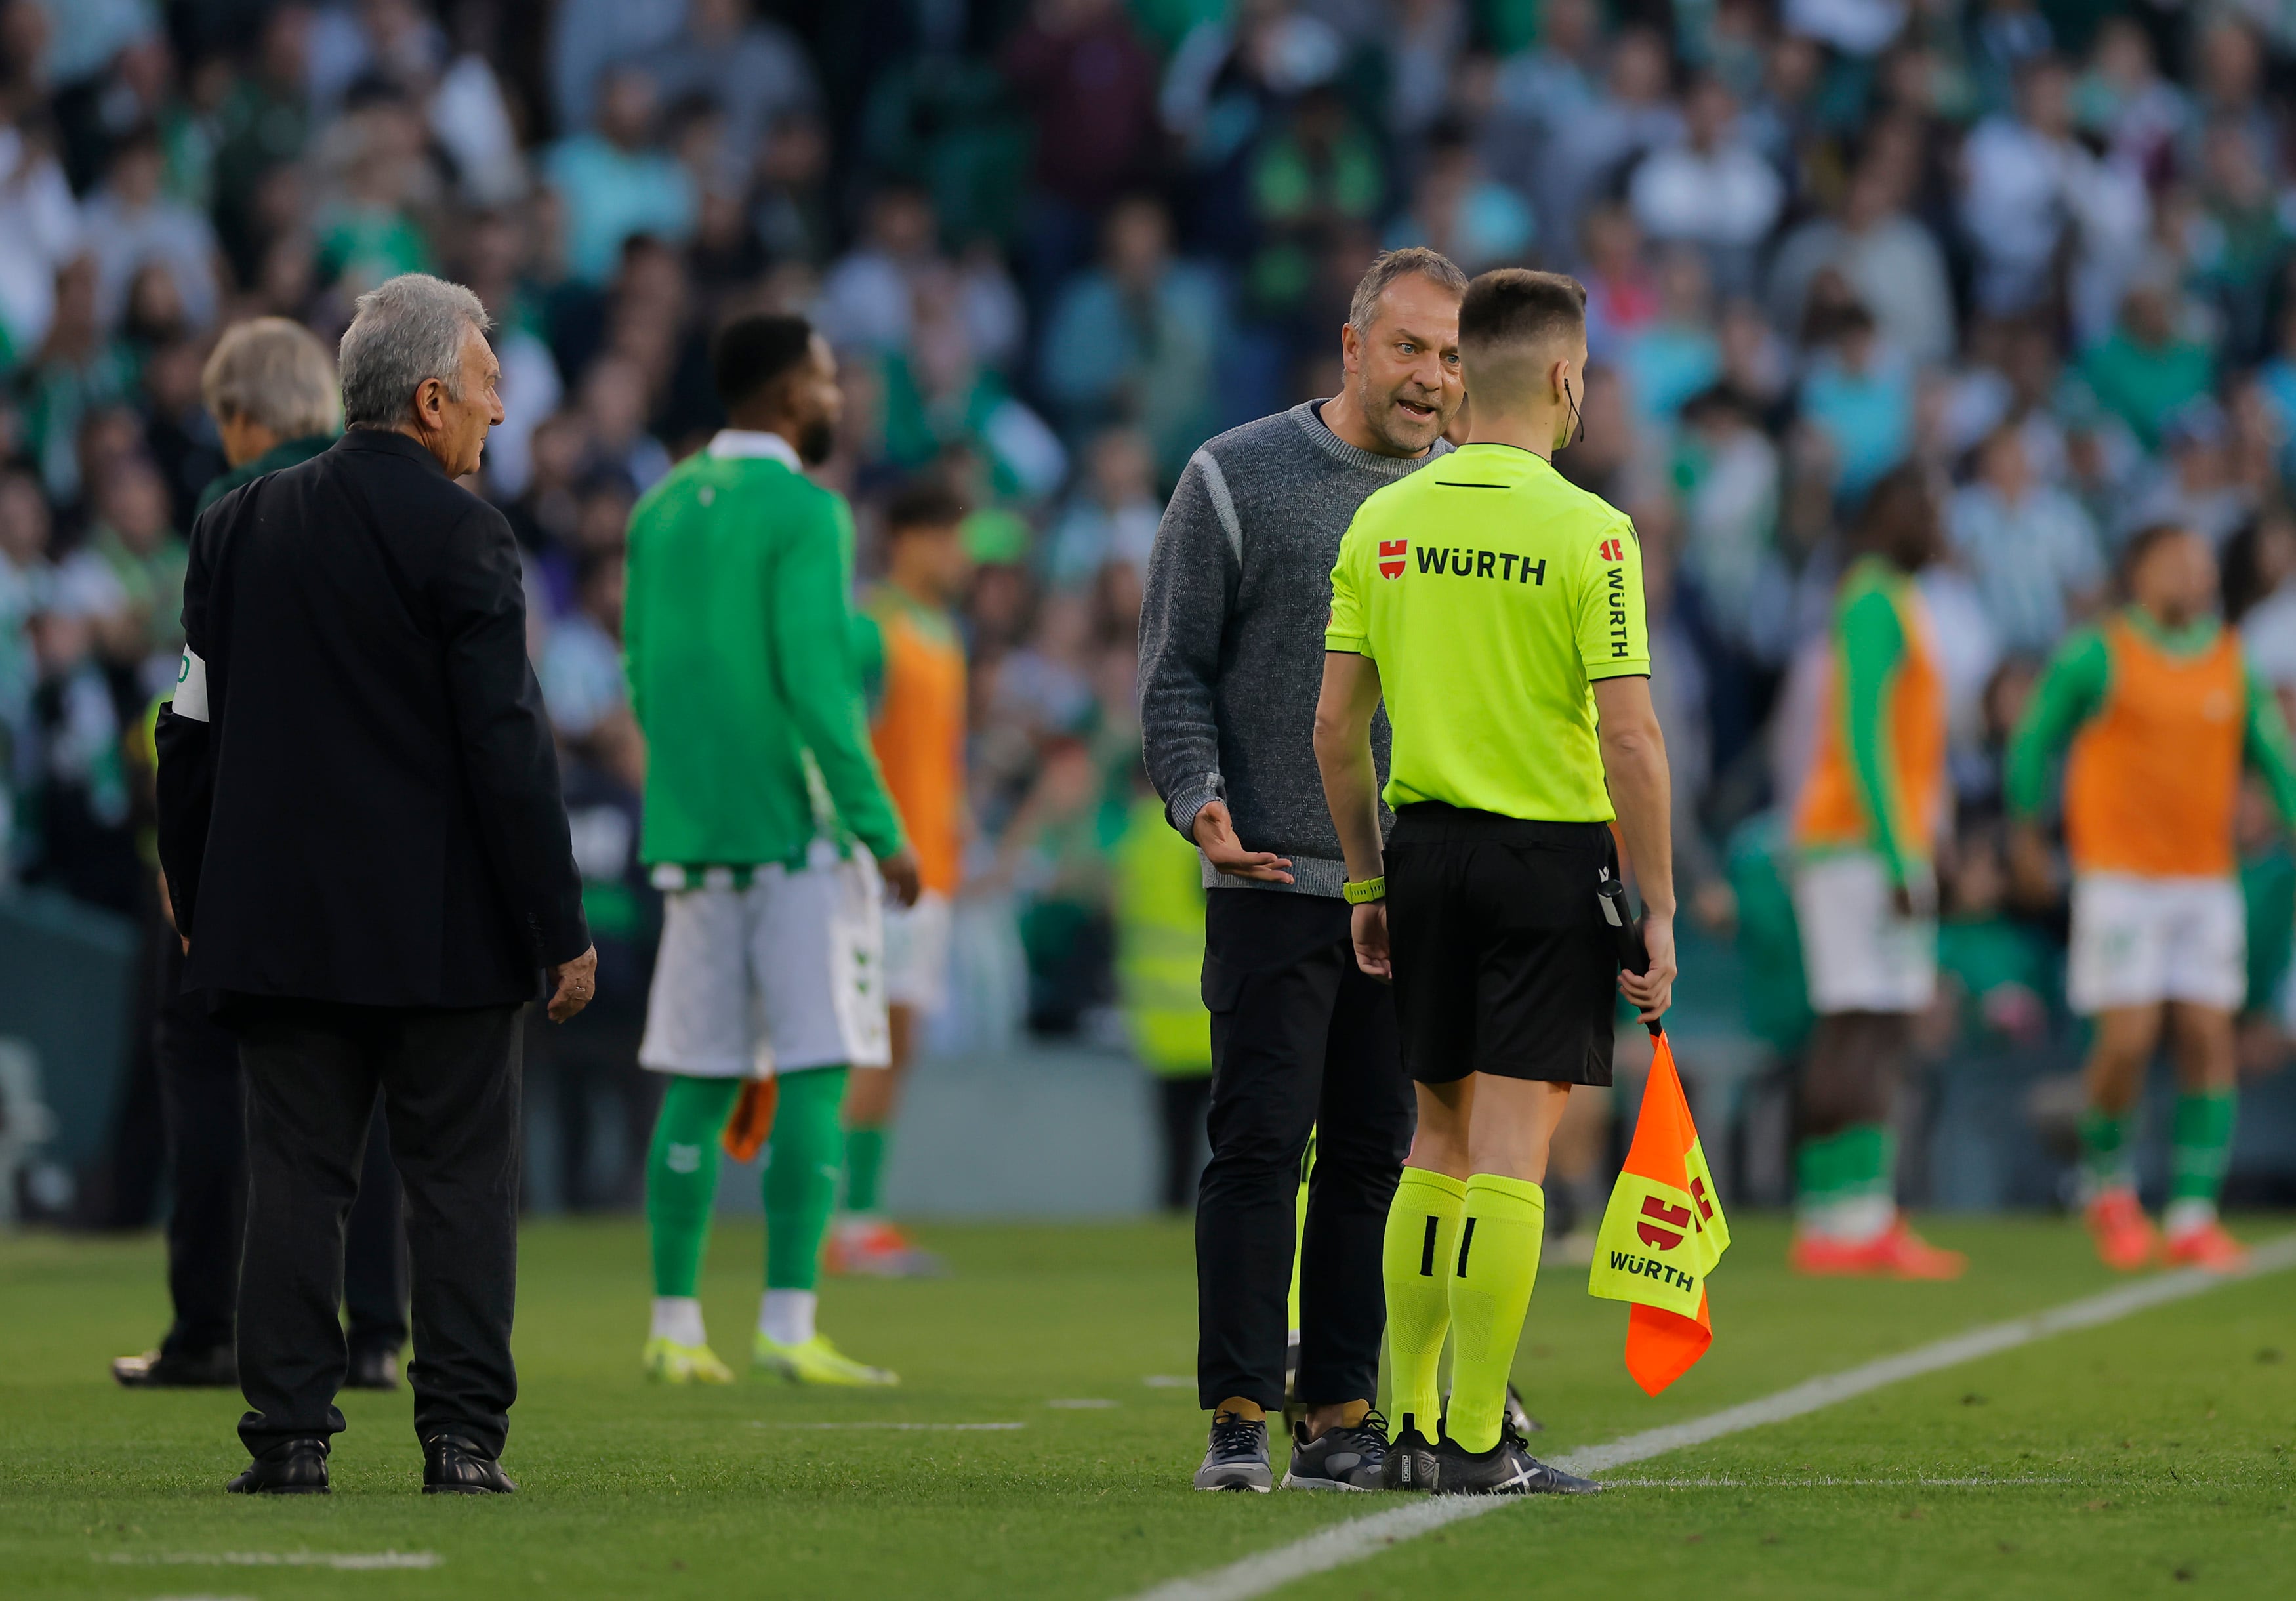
pixel 270 386
pixel 362 831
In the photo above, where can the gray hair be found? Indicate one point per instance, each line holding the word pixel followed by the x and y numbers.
pixel 407 329
pixel 1389 266
pixel 274 371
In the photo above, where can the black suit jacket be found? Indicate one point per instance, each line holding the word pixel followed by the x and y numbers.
pixel 370 812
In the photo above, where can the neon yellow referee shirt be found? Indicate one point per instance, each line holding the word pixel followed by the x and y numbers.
pixel 1492 592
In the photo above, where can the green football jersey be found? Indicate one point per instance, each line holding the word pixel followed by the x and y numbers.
pixel 739 641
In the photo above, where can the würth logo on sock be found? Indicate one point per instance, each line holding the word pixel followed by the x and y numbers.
pixel 1391 554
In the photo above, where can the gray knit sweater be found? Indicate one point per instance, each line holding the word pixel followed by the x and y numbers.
pixel 1232 635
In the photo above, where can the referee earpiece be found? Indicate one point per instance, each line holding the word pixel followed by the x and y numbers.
pixel 1577 418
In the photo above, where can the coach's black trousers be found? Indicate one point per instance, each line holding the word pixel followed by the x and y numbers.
pixel 1302 1041
pixel 450 1082
pixel 205 1118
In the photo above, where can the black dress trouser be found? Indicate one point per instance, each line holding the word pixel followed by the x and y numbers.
pixel 206 1122
pixel 1302 1041
pixel 450 1082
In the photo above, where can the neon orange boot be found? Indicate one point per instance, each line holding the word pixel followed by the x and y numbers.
pixel 2207 1245
pixel 871 1248
pixel 2126 1239
pixel 1905 1254
pixel 1896 1252
pixel 1823 1256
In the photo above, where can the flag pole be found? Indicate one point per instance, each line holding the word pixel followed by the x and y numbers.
pixel 1627 934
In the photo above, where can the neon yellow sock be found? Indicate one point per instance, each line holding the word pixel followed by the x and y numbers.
pixel 1299 1230
pixel 1501 1221
pixel 1423 1235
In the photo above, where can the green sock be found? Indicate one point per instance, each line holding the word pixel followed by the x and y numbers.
pixel 865 1167
pixel 1843 1182
pixel 682 1177
pixel 804 1161
pixel 1817 1173
pixel 2200 1146
pixel 1500 1223
pixel 2104 1149
pixel 1422 1238
pixel 1868 1154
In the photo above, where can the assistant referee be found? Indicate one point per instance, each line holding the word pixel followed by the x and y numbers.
pixel 1499 610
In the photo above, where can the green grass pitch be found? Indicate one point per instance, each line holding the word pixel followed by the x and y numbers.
pixel 2149 1457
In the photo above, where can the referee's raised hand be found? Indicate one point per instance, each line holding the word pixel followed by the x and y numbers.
pixel 1216 838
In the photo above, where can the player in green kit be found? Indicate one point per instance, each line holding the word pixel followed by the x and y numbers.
pixel 767 826
pixel 1498 609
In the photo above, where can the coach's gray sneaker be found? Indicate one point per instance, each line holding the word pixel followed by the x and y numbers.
pixel 1237 1456
pixel 1340 1458
pixel 1507 1469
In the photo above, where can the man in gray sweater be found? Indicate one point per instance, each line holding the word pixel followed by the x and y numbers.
pixel 1230 661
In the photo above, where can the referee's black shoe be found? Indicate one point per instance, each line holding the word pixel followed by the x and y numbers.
pixel 1411 1462
pixel 1519 1414
pixel 1507 1469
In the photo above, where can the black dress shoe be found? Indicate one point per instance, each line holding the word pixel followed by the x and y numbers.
pixel 374 1369
pixel 216 1369
pixel 453 1465
pixel 293 1467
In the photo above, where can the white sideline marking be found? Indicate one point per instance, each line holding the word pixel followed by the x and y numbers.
pixel 1169 1381
pixel 1979 1482
pixel 1362 1537
pixel 342 1561
pixel 955 1428
pixel 1083 1403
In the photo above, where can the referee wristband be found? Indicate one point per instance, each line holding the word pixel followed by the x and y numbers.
pixel 1362 891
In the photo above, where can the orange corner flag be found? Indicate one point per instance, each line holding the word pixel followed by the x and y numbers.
pixel 751 1122
pixel 1662 1234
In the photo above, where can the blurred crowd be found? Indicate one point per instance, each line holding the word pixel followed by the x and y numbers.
pixel 2043 249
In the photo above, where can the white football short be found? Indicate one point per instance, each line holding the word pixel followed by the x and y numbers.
pixel 783 975
pixel 917 954
pixel 1857 952
pixel 2140 941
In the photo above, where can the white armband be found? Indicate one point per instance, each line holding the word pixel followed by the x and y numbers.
pixel 192 687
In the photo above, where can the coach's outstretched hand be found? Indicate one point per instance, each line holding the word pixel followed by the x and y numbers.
pixel 575 982
pixel 1216 838
pixel 1651 991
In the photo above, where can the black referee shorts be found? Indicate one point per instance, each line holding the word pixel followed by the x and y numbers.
pixel 1502 963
